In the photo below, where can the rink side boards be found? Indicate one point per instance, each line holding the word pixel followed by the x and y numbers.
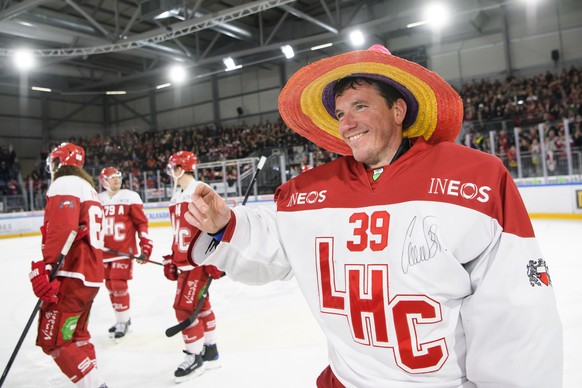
pixel 28 223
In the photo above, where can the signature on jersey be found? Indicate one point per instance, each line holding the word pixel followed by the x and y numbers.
pixel 420 246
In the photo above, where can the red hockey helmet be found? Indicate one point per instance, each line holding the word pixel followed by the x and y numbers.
pixel 185 159
pixel 66 154
pixel 106 173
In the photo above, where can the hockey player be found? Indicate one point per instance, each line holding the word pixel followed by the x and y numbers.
pixel 416 255
pixel 199 338
pixel 72 204
pixel 124 221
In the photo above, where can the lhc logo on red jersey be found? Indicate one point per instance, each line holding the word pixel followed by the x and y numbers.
pixel 538 274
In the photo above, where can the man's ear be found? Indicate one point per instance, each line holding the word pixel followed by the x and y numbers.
pixel 399 108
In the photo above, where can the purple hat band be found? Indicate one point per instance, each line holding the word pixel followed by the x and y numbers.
pixel 328 97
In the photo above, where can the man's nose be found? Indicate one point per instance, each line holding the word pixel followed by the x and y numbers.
pixel 347 122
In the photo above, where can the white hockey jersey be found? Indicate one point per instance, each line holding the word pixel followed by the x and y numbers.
pixel 430 278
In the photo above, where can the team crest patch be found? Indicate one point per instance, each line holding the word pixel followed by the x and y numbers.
pixel 538 274
pixel 67 204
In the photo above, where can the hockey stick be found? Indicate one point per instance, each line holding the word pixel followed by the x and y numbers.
pixel 172 331
pixel 139 258
pixel 260 166
pixel 52 276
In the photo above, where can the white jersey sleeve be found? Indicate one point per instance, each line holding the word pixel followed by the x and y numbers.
pixel 239 258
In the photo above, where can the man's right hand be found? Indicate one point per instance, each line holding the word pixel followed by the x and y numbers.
pixel 43 288
pixel 207 210
pixel 170 269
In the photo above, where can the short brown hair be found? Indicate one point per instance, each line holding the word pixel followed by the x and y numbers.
pixel 389 93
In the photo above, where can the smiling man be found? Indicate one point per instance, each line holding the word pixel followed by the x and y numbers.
pixel 416 255
pixel 370 116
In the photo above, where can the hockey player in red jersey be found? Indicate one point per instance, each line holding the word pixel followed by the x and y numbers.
pixel 72 204
pixel 199 338
pixel 124 222
pixel 416 255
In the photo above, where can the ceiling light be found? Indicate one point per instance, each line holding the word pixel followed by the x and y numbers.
pixel 41 89
pixel 437 15
pixel 357 38
pixel 23 59
pixel 288 51
pixel 177 74
pixel 166 85
pixel 416 24
pixel 160 9
pixel 230 65
pixel 167 14
pixel 114 92
pixel 321 46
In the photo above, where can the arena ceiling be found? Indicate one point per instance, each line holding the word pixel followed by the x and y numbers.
pixel 97 45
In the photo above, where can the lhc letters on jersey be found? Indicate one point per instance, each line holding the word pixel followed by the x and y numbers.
pixel 366 304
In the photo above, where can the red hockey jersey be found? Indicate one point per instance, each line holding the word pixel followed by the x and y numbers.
pixel 123 218
pixel 184 233
pixel 72 204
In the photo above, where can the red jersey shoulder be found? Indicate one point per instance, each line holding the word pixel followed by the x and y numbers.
pixel 444 172
pixel 459 157
pixel 312 186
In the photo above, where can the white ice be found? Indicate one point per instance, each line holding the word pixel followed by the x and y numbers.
pixel 267 336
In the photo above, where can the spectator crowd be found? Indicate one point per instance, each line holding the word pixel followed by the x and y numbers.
pixel 545 98
pixel 9 170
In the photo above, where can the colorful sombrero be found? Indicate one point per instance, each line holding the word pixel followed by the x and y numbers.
pixel 307 103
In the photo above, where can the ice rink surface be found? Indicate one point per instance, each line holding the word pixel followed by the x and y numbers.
pixel 267 336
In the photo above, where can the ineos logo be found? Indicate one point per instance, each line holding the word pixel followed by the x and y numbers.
pixel 467 190
pixel 307 198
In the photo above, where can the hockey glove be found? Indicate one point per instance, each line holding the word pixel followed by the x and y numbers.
pixel 213 272
pixel 146 245
pixel 170 269
pixel 42 287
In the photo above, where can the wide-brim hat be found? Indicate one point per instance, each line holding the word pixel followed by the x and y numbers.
pixel 307 102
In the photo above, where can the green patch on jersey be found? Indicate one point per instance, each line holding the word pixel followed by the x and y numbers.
pixel 69 327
